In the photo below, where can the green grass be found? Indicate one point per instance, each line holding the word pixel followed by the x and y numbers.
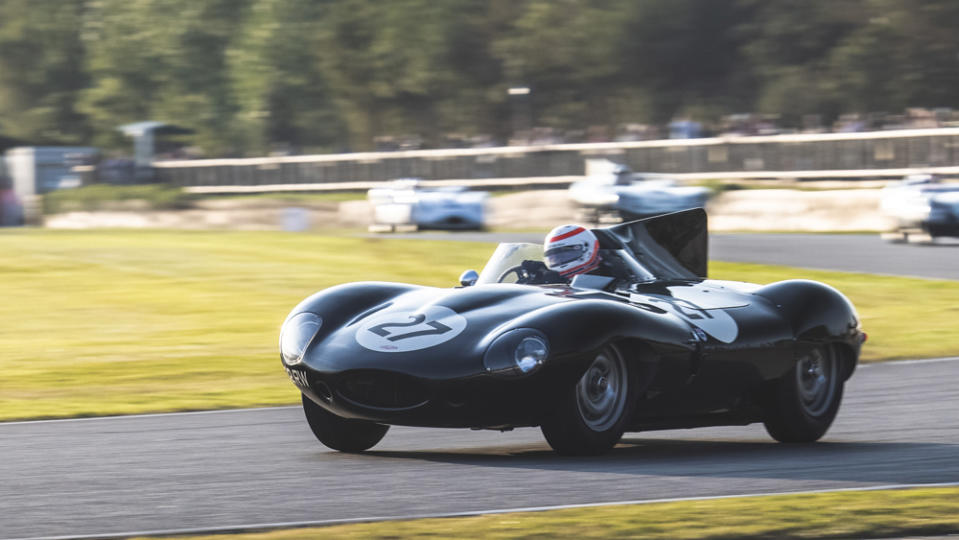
pixel 118 322
pixel 165 197
pixel 115 322
pixel 904 317
pixel 293 196
pixel 873 514
pixel 104 197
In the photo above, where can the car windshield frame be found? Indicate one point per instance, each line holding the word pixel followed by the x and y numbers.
pixel 508 255
pixel 511 255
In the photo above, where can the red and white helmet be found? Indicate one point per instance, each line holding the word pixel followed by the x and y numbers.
pixel 571 250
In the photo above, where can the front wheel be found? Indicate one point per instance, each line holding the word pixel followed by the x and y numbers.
pixel 342 434
pixel 806 398
pixel 591 416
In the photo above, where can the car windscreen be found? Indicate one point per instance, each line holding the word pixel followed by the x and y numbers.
pixel 507 258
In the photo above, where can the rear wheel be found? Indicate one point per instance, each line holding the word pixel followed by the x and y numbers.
pixel 592 416
pixel 339 433
pixel 807 397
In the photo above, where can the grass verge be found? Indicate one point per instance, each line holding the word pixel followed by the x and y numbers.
pixel 292 197
pixel 121 322
pixel 870 514
pixel 117 322
pixel 166 197
pixel 904 317
pixel 107 197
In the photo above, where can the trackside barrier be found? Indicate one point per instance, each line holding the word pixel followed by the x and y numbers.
pixel 562 182
pixel 831 155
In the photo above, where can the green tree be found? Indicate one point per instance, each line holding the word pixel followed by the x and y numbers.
pixel 921 37
pixel 788 45
pixel 569 62
pixel 252 76
pixel 686 55
pixel 163 60
pixel 41 70
pixel 408 66
pixel 283 98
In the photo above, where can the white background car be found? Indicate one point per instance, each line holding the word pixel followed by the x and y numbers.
pixel 612 190
pixel 408 203
pixel 922 204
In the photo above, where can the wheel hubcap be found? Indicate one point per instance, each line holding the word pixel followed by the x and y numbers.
pixel 601 392
pixel 816 379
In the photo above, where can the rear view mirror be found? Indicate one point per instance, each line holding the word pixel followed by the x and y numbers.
pixel 468 278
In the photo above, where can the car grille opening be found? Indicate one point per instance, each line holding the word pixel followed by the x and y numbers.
pixel 322 391
pixel 382 390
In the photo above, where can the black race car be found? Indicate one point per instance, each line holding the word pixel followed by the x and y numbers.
pixel 645 342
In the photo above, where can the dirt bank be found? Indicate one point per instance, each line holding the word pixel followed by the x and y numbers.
pixel 793 210
pixel 745 210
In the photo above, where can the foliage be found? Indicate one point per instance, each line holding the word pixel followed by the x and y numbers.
pixel 41 70
pixel 166 60
pixel 283 97
pixel 256 76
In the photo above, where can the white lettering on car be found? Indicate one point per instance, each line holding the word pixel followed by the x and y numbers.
pixel 298 377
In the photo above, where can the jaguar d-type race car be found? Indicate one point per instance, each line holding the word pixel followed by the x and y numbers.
pixel 922 203
pixel 645 342
pixel 612 190
pixel 407 202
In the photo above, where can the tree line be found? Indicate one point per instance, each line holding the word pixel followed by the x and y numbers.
pixel 253 76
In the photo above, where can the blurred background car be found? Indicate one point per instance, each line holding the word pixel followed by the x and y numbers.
pixel 922 204
pixel 611 191
pixel 407 203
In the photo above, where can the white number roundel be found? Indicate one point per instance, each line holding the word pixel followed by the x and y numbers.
pixel 715 322
pixel 410 330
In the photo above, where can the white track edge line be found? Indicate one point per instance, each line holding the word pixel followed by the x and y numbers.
pixel 147 415
pixel 257 527
pixel 909 362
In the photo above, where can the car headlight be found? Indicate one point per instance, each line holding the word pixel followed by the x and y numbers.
pixel 296 336
pixel 517 352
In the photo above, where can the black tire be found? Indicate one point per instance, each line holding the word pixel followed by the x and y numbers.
pixel 806 399
pixel 339 433
pixel 592 415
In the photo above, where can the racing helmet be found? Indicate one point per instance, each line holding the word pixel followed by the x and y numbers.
pixel 571 250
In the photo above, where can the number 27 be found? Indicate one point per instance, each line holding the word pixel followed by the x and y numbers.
pixel 436 328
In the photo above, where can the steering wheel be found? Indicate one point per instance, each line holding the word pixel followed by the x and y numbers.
pixel 521 274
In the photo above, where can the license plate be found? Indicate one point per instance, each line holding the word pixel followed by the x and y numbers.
pixel 298 378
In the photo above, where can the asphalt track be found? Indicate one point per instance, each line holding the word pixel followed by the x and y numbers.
pixel 232 469
pixel 844 252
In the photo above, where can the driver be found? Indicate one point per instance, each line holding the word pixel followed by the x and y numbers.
pixel 571 250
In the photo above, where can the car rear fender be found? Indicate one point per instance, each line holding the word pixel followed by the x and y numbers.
pixel 818 314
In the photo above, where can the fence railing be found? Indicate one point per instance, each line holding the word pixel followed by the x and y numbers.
pixel 811 154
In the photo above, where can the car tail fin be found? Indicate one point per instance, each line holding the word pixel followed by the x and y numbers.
pixel 671 246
